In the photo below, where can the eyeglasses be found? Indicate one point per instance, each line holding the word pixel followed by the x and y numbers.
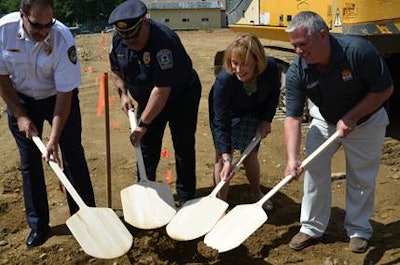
pixel 41 26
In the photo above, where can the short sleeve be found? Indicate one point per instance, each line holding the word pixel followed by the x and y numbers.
pixel 295 92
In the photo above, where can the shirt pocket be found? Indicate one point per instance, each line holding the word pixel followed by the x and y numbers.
pixel 45 65
pixel 14 61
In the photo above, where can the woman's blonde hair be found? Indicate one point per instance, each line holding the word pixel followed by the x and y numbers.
pixel 243 46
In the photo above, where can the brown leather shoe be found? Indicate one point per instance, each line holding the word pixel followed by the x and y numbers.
pixel 358 245
pixel 301 241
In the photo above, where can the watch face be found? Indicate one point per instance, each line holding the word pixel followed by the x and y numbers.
pixel 143 124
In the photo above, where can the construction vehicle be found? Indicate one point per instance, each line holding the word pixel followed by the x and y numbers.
pixel 376 20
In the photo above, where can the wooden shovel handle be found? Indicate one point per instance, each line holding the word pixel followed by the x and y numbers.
pixel 60 174
pixel 236 165
pixel 139 155
pixel 314 154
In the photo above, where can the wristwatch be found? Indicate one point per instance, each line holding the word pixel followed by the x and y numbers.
pixel 227 159
pixel 143 124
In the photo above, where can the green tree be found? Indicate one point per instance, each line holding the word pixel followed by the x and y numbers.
pixel 7 6
pixel 72 12
pixel 89 11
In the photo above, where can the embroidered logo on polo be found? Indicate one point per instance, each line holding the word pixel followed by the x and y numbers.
pixel 346 75
pixel 72 54
pixel 164 58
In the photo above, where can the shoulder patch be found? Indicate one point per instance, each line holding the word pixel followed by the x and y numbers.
pixel 164 58
pixel 72 54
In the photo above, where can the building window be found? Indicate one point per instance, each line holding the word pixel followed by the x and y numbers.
pixel 185 19
pixel 166 20
pixel 204 19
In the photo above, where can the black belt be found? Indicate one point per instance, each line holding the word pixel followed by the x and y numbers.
pixel 366 117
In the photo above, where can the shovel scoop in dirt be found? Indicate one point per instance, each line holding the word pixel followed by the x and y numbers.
pixel 146 204
pixel 99 231
pixel 243 220
pixel 198 216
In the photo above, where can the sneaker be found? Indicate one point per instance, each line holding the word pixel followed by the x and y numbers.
pixel 301 241
pixel 268 206
pixel 358 245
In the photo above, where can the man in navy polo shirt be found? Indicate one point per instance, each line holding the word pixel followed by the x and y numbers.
pixel 348 81
pixel 148 60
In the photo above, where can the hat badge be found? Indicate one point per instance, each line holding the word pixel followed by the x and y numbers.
pixel 122 25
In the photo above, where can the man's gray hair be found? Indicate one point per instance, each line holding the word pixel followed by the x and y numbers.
pixel 308 19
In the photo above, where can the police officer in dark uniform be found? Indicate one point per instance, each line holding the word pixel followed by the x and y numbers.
pixel 148 60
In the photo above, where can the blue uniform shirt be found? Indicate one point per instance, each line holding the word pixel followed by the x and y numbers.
pixel 162 62
pixel 228 102
pixel 356 69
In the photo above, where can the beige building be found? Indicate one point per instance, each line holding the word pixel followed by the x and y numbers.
pixel 188 14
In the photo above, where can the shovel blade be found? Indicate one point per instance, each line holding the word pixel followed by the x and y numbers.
pixel 148 205
pixel 196 218
pixel 100 232
pixel 236 227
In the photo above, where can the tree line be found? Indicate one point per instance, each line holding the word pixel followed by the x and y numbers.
pixel 72 12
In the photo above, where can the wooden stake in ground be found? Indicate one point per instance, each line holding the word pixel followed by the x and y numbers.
pixel 104 85
pixel 99 231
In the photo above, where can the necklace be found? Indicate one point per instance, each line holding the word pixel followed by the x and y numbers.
pixel 250 86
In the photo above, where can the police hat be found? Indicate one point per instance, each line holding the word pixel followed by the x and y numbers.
pixel 127 17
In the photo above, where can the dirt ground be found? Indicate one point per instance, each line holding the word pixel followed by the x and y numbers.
pixel 268 245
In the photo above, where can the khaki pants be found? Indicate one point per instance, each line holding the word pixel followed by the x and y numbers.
pixel 363 150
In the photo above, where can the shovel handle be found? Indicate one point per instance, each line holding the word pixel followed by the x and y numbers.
pixel 314 154
pixel 320 149
pixel 139 155
pixel 236 165
pixel 60 174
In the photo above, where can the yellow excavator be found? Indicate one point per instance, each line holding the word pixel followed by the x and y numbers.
pixel 376 20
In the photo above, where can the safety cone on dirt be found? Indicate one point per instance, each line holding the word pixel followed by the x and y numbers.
pixel 164 153
pixel 169 177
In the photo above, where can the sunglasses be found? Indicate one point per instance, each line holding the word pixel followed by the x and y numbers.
pixel 41 26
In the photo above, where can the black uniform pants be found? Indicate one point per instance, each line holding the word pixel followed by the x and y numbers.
pixel 181 116
pixel 73 158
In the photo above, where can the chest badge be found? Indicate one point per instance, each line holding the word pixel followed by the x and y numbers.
pixel 146 58
pixel 48 49
pixel 346 75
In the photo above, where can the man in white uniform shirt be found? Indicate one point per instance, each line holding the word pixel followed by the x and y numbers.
pixel 39 79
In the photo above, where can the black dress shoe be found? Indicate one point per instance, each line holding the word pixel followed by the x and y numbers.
pixel 37 237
